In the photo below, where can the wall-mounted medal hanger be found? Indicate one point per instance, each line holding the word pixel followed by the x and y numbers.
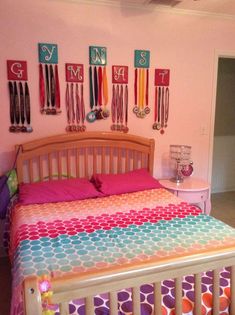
pixel 49 87
pixel 141 84
pixel 119 107
pixel 75 107
pixel 161 102
pixel 19 96
pixel 98 84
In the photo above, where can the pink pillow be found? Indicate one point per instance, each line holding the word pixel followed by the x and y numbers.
pixel 57 190
pixel 115 184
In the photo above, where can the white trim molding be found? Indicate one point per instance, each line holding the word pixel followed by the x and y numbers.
pixel 217 55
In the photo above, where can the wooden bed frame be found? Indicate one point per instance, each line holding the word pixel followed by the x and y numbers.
pixel 79 155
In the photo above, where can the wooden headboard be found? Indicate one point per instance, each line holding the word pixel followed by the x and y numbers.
pixel 81 155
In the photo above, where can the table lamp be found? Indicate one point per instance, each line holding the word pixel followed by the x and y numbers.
pixel 181 155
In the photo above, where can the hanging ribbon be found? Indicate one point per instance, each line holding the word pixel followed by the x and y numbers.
pixel 82 110
pixel 41 89
pixel 91 116
pixel 19 96
pixel 105 111
pixel 98 84
pixel 49 87
pixel 119 108
pixel 12 109
pixel 67 103
pixel 126 129
pixel 162 94
pixel 75 106
pixel 57 91
pixel 27 107
pixel 141 83
pixel 52 89
pixel 22 108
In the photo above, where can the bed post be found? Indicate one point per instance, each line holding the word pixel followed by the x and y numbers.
pixel 32 296
pixel 151 155
pixel 19 165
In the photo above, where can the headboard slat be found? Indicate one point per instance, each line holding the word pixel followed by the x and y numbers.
pixel 81 155
pixel 86 162
pixel 77 163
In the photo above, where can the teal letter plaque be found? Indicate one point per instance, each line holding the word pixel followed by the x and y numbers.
pixel 97 55
pixel 142 58
pixel 48 53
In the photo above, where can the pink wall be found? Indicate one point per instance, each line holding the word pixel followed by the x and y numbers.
pixel 185 44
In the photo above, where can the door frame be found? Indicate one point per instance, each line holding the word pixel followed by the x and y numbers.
pixel 217 55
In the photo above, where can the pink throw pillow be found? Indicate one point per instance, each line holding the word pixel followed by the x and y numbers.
pixel 56 191
pixel 115 184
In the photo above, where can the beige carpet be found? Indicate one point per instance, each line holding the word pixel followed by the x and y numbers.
pixel 223 207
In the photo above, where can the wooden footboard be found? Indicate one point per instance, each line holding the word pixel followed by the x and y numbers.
pixel 66 289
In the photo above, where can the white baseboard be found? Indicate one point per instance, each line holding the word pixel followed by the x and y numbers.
pixel 216 190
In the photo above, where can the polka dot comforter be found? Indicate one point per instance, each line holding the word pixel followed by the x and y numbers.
pixel 121 230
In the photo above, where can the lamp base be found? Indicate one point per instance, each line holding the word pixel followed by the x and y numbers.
pixel 177 180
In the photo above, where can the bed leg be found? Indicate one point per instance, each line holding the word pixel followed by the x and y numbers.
pixel 113 302
pixel 64 308
pixel 232 292
pixel 32 296
pixel 216 290
pixel 178 296
pixel 157 298
pixel 89 305
pixel 198 294
pixel 136 300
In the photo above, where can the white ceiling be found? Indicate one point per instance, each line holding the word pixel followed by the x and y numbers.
pixel 211 6
pixel 217 7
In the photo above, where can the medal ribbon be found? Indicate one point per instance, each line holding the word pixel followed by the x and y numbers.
pixel 82 106
pixel 140 88
pixel 72 104
pixel 41 87
pixel 166 106
pixel 105 87
pixel 77 105
pixel 117 104
pixel 22 116
pixel 47 86
pixel 121 105
pixel 135 85
pixel 91 88
pixel 126 105
pixel 100 86
pixel 147 88
pixel 52 86
pixel 16 104
pixel 113 106
pixel 57 89
pixel 162 109
pixel 27 103
pixel 12 112
pixel 159 104
pixel 67 97
pixel 96 86
pixel 156 105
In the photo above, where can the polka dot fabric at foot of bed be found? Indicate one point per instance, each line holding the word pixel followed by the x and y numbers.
pixel 106 233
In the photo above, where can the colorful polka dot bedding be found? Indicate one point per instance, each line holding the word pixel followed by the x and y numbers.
pixel 86 236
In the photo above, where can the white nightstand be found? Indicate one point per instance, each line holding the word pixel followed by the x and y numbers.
pixel 193 190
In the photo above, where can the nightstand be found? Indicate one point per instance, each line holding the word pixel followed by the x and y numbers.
pixel 193 190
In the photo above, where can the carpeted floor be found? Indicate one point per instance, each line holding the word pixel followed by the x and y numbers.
pixel 223 208
pixel 5 280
